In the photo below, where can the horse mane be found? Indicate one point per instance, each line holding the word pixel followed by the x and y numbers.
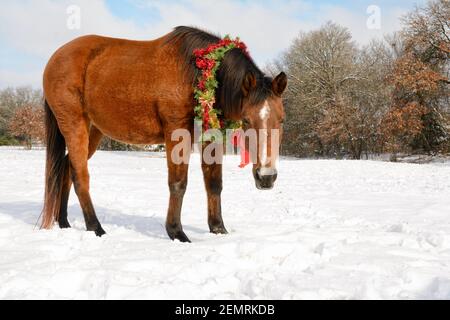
pixel 231 74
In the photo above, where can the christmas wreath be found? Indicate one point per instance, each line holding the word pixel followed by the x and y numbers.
pixel 208 61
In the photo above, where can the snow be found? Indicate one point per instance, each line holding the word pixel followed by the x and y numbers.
pixel 329 230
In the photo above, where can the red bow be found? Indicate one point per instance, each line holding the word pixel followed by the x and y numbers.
pixel 239 141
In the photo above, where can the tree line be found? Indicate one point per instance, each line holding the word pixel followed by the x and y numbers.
pixel 391 96
pixel 21 116
pixel 343 100
pixel 22 120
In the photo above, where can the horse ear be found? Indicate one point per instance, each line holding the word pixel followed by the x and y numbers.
pixel 248 84
pixel 279 84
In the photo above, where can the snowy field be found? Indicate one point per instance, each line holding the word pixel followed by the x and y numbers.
pixel 329 230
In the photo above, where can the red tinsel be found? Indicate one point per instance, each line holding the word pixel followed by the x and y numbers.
pixel 239 141
pixel 201 53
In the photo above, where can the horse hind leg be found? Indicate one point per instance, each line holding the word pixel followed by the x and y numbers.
pixel 66 185
pixel 95 137
pixel 77 140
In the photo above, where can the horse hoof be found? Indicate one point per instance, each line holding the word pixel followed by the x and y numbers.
pixel 218 230
pixel 175 232
pixel 180 236
pixel 64 224
pixel 99 232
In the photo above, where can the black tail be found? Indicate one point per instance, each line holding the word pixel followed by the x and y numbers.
pixel 57 166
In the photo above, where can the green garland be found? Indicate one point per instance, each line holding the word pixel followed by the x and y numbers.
pixel 208 61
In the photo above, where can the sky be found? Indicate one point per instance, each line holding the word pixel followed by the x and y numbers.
pixel 31 30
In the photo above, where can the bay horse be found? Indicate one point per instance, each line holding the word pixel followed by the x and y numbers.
pixel 139 92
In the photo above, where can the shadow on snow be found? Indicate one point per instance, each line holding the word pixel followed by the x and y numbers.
pixel 150 226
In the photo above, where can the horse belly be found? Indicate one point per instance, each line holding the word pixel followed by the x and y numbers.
pixel 133 124
pixel 122 107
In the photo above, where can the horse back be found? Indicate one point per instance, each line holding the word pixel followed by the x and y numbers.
pixel 130 90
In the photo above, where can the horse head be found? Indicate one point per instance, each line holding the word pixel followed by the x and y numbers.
pixel 263 126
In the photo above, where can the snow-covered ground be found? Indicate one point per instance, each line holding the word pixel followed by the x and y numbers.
pixel 329 230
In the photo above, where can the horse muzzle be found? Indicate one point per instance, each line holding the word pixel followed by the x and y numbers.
pixel 265 178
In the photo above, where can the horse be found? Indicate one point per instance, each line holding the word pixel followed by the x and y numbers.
pixel 140 92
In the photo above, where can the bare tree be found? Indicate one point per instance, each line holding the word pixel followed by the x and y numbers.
pixel 10 101
pixel 27 124
pixel 421 74
pixel 335 93
pixel 391 95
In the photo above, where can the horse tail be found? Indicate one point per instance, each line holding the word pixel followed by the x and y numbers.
pixel 57 165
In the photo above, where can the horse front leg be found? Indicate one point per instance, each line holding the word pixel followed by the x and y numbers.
pixel 212 176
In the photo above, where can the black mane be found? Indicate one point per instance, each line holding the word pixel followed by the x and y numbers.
pixel 231 74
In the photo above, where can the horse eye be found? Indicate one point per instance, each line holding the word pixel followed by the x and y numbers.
pixel 246 122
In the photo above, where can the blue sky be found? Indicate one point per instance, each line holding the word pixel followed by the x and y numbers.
pixel 30 30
